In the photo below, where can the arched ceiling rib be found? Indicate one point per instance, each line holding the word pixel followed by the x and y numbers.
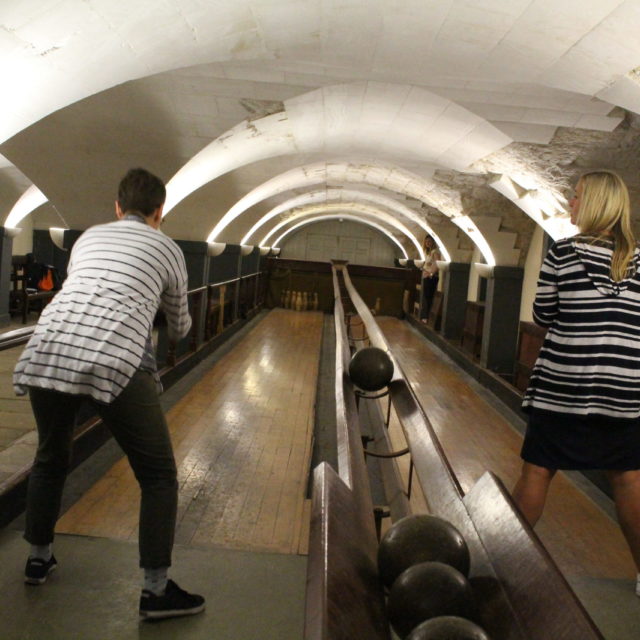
pixel 362 207
pixel 380 120
pixel 333 194
pixel 380 175
pixel 29 201
pixel 4 163
pixel 339 216
pixel 361 171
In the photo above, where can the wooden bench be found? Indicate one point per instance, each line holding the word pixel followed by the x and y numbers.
pixel 473 325
pixel 530 342
pixel 23 299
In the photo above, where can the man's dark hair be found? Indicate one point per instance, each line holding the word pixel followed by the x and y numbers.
pixel 141 191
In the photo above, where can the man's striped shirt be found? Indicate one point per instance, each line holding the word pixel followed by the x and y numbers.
pixel 589 363
pixel 91 338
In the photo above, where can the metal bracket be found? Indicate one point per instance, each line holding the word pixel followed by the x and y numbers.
pixel 379 513
pixel 368 396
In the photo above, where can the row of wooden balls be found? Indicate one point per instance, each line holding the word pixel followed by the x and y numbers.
pixel 423 562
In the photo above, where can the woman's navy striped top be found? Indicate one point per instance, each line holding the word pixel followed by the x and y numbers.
pixel 91 338
pixel 589 363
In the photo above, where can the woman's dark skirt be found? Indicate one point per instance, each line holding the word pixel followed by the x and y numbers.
pixel 569 441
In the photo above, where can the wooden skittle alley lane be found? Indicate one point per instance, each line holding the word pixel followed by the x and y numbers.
pixel 242 439
pixel 581 537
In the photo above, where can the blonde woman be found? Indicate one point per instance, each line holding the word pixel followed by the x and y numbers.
pixel 430 275
pixel 583 399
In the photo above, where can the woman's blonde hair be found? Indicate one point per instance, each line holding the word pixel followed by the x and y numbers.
pixel 605 211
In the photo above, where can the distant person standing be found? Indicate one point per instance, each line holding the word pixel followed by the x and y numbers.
pixel 430 275
pixel 583 398
pixel 93 343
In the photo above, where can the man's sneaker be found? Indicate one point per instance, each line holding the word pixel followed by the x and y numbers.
pixel 638 585
pixel 37 569
pixel 173 602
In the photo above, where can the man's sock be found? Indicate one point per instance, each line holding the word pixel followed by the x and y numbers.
pixel 155 580
pixel 638 585
pixel 41 552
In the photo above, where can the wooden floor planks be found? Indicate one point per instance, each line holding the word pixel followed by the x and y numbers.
pixel 242 438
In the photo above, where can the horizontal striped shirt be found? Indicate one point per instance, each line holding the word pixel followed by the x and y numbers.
pixel 589 363
pixel 91 338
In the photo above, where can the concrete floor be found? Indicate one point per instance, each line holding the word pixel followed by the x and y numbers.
pixel 93 595
pixel 612 605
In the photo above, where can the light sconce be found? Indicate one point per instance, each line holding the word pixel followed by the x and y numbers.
pixel 215 248
pixel 57 237
pixel 484 270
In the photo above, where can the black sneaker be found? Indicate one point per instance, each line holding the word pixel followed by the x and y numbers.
pixel 173 602
pixel 37 569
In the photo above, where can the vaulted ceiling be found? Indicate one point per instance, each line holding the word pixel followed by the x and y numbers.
pixel 470 119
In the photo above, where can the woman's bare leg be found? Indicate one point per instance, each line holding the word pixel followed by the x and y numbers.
pixel 530 492
pixel 626 494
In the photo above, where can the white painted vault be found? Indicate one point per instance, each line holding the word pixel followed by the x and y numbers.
pixel 456 110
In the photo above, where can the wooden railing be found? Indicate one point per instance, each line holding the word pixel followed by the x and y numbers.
pixel 520 592
pixel 15 338
pixel 216 313
pixel 225 302
pixel 341 571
